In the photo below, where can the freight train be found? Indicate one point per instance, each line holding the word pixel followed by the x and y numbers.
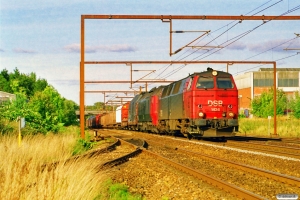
pixel 204 104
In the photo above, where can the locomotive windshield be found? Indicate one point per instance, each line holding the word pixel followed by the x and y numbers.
pixel 205 82
pixel 224 83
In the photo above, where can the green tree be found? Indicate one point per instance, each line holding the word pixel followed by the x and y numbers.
pixel 10 111
pixel 40 104
pixel 70 117
pixel 296 106
pixel 54 110
pixel 17 82
pixel 40 85
pixel 4 81
pixel 263 105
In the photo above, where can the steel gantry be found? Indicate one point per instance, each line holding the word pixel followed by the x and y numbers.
pixel 168 18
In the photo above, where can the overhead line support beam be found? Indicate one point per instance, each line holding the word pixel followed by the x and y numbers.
pixel 192 17
pixel 164 18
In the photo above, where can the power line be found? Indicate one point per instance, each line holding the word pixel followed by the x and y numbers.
pixel 297 54
pixel 226 31
pixel 239 37
pixel 271 48
pixel 171 73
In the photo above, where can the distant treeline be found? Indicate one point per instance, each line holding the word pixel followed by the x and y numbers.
pixel 43 108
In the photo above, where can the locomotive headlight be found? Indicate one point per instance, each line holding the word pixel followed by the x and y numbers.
pixel 214 73
pixel 231 114
pixel 201 114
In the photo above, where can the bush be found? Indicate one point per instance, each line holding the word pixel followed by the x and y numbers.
pixel 117 192
pixel 82 145
pixel 263 105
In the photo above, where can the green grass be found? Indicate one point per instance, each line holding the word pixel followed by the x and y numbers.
pixel 117 191
pixel 286 127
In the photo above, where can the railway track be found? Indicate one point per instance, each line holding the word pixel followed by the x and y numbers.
pixel 114 154
pixel 270 178
pixel 294 181
pixel 225 186
pixel 253 179
pixel 135 144
pixel 289 140
pixel 292 152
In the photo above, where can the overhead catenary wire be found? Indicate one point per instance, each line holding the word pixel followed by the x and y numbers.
pixel 226 31
pixel 297 54
pixel 271 48
pixel 238 37
pixel 177 69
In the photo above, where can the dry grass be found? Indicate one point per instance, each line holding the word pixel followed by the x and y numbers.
pixel 286 127
pixel 23 177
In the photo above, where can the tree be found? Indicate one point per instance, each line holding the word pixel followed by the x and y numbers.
pixel 4 81
pixel 40 85
pixel 296 106
pixel 263 105
pixel 54 110
pixel 10 111
pixel 40 104
pixel 17 82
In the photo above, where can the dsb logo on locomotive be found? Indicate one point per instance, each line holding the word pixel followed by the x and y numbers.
pixel 214 102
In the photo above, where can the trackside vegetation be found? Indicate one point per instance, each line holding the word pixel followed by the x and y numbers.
pixel 42 107
pixel 26 171
pixel 117 191
pixel 262 106
pixel 287 114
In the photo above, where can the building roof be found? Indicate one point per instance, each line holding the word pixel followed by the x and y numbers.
pixel 279 69
pixel 6 96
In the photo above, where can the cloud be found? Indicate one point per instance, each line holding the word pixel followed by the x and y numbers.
pixel 274 45
pixel 1 50
pixel 26 51
pixel 75 48
pixel 120 48
pixel 66 82
pixel 237 46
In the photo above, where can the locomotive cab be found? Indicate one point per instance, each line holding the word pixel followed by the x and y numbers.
pixel 211 104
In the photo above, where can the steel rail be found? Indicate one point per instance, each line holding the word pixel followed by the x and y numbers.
pixel 275 146
pixel 269 174
pixel 124 158
pixel 293 141
pixel 236 191
pixel 266 173
pixel 291 155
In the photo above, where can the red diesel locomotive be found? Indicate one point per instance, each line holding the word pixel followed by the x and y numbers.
pixel 203 104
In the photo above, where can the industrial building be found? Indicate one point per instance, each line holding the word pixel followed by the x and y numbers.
pixel 252 84
pixel 5 96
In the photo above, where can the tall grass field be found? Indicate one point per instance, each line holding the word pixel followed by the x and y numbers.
pixel 286 127
pixel 24 173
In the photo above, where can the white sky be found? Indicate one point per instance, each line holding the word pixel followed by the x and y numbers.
pixel 44 37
